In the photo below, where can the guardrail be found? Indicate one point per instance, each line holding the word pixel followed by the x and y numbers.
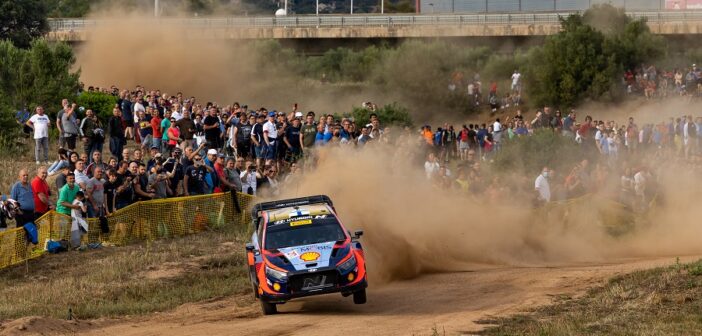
pixel 327 21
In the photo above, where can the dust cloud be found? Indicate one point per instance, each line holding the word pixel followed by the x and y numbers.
pixel 413 228
pixel 410 227
pixel 129 49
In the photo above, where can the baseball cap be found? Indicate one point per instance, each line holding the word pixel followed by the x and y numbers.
pixel 212 152
pixel 177 150
pixel 298 114
pixel 271 114
pixel 221 155
pixel 154 147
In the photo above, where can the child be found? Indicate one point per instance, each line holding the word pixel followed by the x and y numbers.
pixel 78 224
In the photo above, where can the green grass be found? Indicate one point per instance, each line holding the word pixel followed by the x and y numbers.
pixel 660 301
pixel 130 280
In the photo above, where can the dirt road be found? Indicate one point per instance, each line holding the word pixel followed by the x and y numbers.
pixel 450 301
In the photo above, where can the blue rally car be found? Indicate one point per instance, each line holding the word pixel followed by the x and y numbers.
pixel 300 248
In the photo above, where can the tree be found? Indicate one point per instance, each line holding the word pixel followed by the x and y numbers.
pixel 22 21
pixel 40 75
pixel 586 59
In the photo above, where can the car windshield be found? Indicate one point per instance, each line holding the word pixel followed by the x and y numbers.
pixel 303 231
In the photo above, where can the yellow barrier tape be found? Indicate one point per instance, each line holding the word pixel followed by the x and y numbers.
pixel 140 221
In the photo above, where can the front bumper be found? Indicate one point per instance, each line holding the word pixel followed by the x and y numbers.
pixel 286 293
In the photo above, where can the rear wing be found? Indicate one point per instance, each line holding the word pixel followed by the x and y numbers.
pixel 289 203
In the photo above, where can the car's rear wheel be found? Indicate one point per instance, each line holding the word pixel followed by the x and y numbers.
pixel 359 297
pixel 268 308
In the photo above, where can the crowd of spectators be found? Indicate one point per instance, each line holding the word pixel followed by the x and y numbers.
pixel 615 159
pixel 164 146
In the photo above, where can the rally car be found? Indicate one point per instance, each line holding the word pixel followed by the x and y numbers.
pixel 300 248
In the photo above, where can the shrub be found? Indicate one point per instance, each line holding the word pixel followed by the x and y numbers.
pixel 101 103
pixel 389 115
pixel 544 148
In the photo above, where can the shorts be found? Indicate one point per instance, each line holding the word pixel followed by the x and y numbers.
pixel 147 141
pixel 270 151
pixel 258 151
pixel 463 145
pixel 128 122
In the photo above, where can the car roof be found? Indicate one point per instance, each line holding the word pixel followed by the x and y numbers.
pixel 304 210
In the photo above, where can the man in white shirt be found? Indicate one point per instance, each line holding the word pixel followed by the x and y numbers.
pixel 40 122
pixel 497 133
pixel 270 137
pixel 542 187
pixel 515 81
pixel 81 178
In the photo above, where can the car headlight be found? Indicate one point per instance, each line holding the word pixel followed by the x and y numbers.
pixel 348 265
pixel 275 274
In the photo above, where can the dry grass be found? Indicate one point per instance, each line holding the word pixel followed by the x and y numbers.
pixel 661 301
pixel 131 280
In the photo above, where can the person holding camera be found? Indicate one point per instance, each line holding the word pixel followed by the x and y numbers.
pixel 92 133
pixel 194 180
pixel 249 178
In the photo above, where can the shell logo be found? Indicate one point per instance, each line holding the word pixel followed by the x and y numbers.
pixel 309 256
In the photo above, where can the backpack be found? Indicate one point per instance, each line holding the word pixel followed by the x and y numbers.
pixel 32 233
pixel 53 246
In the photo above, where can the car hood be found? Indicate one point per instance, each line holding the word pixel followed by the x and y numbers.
pixel 306 256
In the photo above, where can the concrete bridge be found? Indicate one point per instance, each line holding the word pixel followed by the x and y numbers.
pixel 379 26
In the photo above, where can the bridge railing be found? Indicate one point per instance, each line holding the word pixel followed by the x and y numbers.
pixel 370 20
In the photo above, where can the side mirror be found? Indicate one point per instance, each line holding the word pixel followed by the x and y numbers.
pixel 250 247
pixel 357 234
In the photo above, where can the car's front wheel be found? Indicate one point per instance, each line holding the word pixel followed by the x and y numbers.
pixel 268 308
pixel 359 297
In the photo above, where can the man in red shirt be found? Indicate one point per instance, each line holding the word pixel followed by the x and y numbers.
pixel 157 132
pixel 41 192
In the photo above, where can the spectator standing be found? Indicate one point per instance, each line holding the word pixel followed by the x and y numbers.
pixel 64 107
pixel 125 104
pixel 92 133
pixel 187 129
pixel 242 135
pixel 40 123
pixel 78 224
pixel 81 177
pixel 292 141
pixel 95 194
pixel 257 139
pixel 270 137
pixel 232 174
pixel 116 130
pixel 61 177
pixel 41 192
pixel 173 136
pixel 96 162
pixel 145 130
pixel 308 133
pixel 173 164
pixel 167 123
pixel 195 175
pixel 69 124
pixel 249 178
pixel 212 129
pixel 22 192
pixel 542 187
pixel 110 188
pixel 156 130
pixel 67 194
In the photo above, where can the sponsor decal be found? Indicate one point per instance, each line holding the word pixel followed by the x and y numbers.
pixel 315 248
pixel 309 256
pixel 292 254
pixel 301 222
